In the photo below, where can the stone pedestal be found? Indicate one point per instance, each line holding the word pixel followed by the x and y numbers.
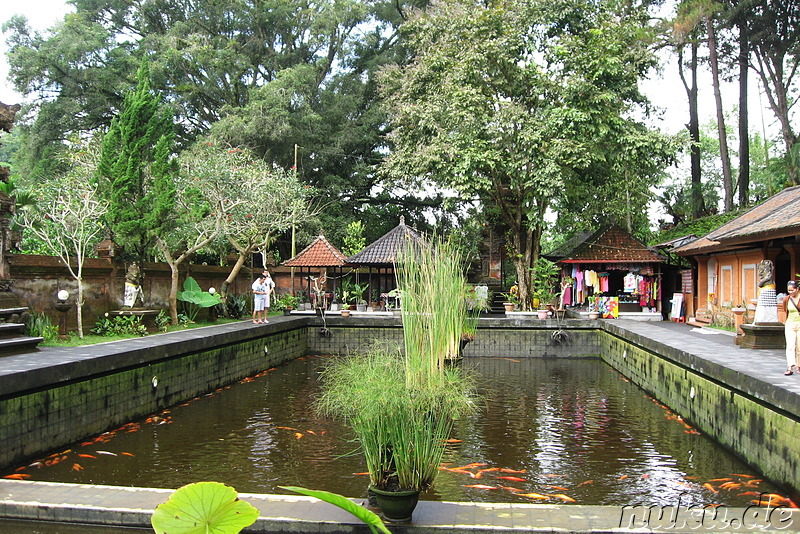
pixel 763 336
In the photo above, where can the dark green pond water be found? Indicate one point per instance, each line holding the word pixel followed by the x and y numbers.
pixel 552 431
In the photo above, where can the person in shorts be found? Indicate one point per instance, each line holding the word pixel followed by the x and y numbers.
pixel 259 300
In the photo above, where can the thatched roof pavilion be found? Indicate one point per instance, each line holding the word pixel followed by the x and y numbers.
pixel 380 256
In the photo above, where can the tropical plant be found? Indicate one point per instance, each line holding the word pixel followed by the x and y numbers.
pixel 286 301
pixel 203 508
pixel 40 325
pixel 545 274
pixel 237 306
pixel 121 325
pixel 195 298
pixel 162 320
pixel 352 293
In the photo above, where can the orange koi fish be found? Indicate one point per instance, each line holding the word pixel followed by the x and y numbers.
pixel 17 476
pixel 692 432
pixel 77 467
pixel 565 498
pixel 287 428
pixel 586 482
pixel 506 470
pixel 710 488
pixel 106 453
pixel 743 476
pixel 645 476
pixel 753 483
pixel 691 478
pixel 362 474
pixel 452 440
pixel 560 488
pixel 534 495
pixel 480 486
pixel 298 435
pixel 623 477
pixel 511 489
pixel 311 432
pixel 511 360
pixel 471 466
pixel 81 455
pixel 749 493
pixel 720 480
pixel 127 454
pixel 512 479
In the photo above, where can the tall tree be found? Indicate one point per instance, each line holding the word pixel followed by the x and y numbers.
pixel 252 199
pixel 67 218
pixel 511 102
pixel 136 170
pixel 775 43
pixel 279 74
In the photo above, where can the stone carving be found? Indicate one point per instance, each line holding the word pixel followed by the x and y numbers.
pixel 767 306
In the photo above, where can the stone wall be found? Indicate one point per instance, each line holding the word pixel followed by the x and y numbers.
pixel 515 338
pixel 37 279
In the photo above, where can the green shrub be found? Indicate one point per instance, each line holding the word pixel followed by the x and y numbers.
pixel 237 306
pixel 121 325
pixel 162 320
pixel 40 325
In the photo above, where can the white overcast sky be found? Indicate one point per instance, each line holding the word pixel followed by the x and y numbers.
pixel 665 91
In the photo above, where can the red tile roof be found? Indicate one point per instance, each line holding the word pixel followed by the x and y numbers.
pixel 609 244
pixel 320 253
pixel 776 217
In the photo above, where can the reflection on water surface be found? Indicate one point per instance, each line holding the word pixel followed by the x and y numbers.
pixel 552 431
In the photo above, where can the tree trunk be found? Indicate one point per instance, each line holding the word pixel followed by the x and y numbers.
pixel 79 306
pixel 698 203
pixel 727 175
pixel 744 126
pixel 234 272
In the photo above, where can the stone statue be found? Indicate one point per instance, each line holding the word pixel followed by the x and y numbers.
pixel 767 306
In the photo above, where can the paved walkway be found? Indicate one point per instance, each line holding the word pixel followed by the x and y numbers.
pixel 133 506
pixel 756 368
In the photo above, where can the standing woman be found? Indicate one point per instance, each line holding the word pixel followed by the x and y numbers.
pixel 791 305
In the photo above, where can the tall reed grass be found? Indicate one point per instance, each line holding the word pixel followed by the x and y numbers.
pixel 402 404
pixel 433 291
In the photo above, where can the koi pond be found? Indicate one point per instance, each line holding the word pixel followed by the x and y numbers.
pixel 551 431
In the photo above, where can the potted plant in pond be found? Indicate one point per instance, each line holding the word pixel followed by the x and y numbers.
pixel 401 405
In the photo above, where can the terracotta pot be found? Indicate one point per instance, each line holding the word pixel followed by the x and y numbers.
pixel 345 313
pixel 396 506
pixel 542 314
pixel 593 315
pixel 509 306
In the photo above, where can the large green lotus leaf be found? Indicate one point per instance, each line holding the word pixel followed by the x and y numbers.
pixel 203 508
pixel 373 520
